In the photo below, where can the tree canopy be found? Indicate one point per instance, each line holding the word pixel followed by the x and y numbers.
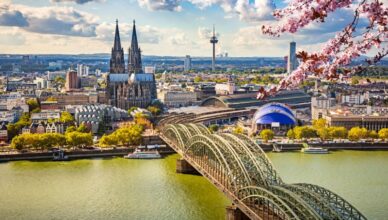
pixel 267 134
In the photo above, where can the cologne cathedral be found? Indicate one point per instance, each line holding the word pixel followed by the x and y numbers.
pixel 129 87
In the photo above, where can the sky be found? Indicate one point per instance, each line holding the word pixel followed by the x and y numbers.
pixel 165 27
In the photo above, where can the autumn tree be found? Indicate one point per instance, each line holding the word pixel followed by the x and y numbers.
pixel 238 130
pixel 291 134
pixel 383 133
pixel 302 132
pixel 108 140
pixel 357 133
pixel 338 132
pixel 319 123
pixel 66 118
pixel 267 134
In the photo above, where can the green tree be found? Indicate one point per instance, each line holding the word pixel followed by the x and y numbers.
pixel 108 140
pixel 66 118
pixel 383 133
pixel 213 128
pixel 33 105
pixel 373 135
pixel 154 110
pixel 291 134
pixel 82 128
pixel 14 129
pixel 267 134
pixel 357 133
pixel 78 139
pixel 18 142
pixel 59 82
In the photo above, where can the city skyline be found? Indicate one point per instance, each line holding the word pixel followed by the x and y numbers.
pixel 173 28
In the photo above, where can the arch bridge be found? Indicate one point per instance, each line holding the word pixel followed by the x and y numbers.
pixel 239 168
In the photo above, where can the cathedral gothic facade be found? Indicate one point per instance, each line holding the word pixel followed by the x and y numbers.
pixel 131 88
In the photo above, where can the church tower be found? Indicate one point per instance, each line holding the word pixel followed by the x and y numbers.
pixel 117 64
pixel 134 54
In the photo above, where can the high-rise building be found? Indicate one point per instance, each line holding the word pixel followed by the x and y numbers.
pixel 72 82
pixel 135 88
pixel 187 63
pixel 82 70
pixel 117 64
pixel 292 62
pixel 214 41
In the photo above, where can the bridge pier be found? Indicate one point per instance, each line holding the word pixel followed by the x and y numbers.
pixel 182 166
pixel 234 213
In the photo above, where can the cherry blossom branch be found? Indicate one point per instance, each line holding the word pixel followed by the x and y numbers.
pixel 337 52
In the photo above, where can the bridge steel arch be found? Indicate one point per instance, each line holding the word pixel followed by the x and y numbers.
pixel 238 167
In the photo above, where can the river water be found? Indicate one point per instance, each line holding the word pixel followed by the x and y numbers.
pixel 150 189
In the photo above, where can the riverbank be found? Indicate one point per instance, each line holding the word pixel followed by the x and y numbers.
pixel 329 146
pixel 120 152
pixel 76 154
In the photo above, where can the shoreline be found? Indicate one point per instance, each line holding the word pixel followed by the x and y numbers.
pixel 74 155
pixel 120 152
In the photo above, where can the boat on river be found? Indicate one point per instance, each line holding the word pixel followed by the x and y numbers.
pixel 59 155
pixel 149 154
pixel 313 150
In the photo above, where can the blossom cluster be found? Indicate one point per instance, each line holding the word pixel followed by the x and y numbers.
pixel 338 52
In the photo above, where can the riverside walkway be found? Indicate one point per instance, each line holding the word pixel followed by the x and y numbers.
pixel 240 169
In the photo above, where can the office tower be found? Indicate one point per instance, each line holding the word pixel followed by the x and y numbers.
pixel 292 62
pixel 72 82
pixel 187 63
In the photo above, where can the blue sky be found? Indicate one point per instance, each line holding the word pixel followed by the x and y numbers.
pixel 165 27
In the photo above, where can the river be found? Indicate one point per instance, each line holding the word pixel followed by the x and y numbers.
pixel 139 189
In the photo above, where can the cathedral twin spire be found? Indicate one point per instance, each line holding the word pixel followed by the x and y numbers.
pixel 117 64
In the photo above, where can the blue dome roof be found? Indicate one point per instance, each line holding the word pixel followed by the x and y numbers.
pixel 274 112
pixel 278 106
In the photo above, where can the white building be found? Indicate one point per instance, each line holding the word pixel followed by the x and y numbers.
pixel 41 83
pixel 175 99
pixel 82 70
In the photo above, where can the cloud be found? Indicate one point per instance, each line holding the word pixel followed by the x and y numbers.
pixel 156 5
pixel 11 17
pixel 49 20
pixel 206 33
pixel 259 10
pixel 180 39
pixel 74 1
pixel 146 34
pixel 12 38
